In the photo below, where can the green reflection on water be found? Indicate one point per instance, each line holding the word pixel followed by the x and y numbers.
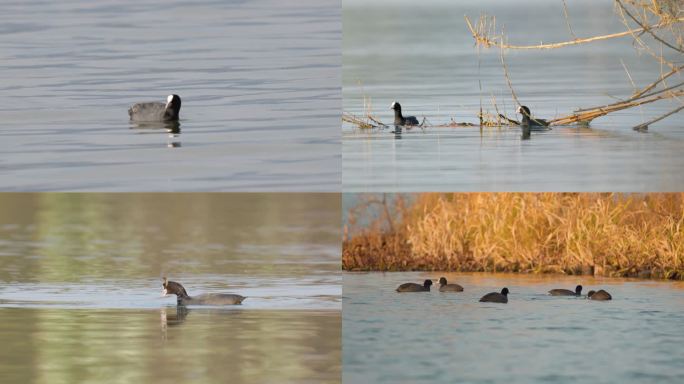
pixel 201 346
pixel 67 237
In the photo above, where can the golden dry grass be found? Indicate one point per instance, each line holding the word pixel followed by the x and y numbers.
pixel 636 235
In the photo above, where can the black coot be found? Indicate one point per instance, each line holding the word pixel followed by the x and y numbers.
pixel 171 287
pixel 444 287
pixel 413 287
pixel 600 295
pixel 156 112
pixel 496 297
pixel 566 292
pixel 399 119
pixel 528 120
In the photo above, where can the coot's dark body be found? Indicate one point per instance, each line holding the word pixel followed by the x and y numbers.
pixel 566 292
pixel 444 287
pixel 171 287
pixel 413 287
pixel 399 119
pixel 528 120
pixel 496 297
pixel 600 295
pixel 156 112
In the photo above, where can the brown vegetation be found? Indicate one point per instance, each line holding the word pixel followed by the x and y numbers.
pixel 636 235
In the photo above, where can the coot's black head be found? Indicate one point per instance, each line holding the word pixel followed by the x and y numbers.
pixel 523 110
pixel 590 293
pixel 504 291
pixel 173 288
pixel 442 281
pixel 427 283
pixel 396 106
pixel 578 289
pixel 173 102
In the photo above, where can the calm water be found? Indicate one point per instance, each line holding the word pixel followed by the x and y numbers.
pixel 259 82
pixel 80 287
pixel 535 338
pixel 423 56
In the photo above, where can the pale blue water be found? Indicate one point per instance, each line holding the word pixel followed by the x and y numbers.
pixel 259 82
pixel 434 337
pixel 424 57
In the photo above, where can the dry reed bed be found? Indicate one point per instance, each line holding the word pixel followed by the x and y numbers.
pixel 633 235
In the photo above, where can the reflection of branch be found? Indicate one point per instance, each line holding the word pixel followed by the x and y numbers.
pixel 483 39
pixel 647 28
pixel 644 126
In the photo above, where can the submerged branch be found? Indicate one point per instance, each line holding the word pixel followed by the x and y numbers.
pixel 587 115
pixel 644 126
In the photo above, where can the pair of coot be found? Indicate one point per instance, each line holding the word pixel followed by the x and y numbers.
pixel 443 286
pixel 182 297
pixel 527 119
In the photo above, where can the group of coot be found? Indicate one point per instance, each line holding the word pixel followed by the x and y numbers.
pixel 527 119
pixel 498 297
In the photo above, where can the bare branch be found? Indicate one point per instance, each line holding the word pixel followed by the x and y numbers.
pixel 647 28
pixel 644 126
pixel 486 41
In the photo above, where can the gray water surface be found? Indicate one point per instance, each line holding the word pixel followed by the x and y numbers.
pixel 432 337
pixel 424 57
pixel 259 82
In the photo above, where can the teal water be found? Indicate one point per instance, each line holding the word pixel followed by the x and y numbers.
pixel 430 337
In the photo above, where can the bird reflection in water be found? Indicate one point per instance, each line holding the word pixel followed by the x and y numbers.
pixel 170 127
pixel 397 132
pixel 171 318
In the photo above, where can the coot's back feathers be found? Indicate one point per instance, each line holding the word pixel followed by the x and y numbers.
pixel 444 287
pixel 496 297
pixel 600 295
pixel 566 292
pixel 156 112
pixel 413 287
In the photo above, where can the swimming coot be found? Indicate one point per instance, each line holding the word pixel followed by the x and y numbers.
pixel 528 120
pixel 566 292
pixel 153 111
pixel 600 295
pixel 399 119
pixel 171 287
pixel 496 297
pixel 444 287
pixel 413 287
